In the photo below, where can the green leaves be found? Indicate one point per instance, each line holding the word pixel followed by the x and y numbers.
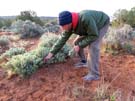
pixel 26 64
pixel 4 40
pixel 27 29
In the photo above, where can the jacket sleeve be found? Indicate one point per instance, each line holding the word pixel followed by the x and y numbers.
pixel 60 42
pixel 92 32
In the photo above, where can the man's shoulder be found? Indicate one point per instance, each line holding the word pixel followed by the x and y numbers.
pixel 85 15
pixel 89 11
pixel 84 11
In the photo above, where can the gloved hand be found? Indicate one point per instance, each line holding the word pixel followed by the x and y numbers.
pixel 49 56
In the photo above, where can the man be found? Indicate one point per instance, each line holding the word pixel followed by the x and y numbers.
pixel 90 26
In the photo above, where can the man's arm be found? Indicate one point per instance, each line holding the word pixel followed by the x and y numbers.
pixel 58 45
pixel 61 41
pixel 92 32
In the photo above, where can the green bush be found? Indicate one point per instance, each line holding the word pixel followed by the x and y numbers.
pixel 4 40
pixel 26 29
pixel 123 16
pixel 27 63
pixel 129 47
pixel 30 15
pixel 11 52
pixel 23 65
pixel 5 22
pixel 120 39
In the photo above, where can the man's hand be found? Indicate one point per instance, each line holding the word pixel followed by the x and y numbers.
pixel 49 56
pixel 76 48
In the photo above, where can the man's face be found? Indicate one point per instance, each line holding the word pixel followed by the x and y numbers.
pixel 67 27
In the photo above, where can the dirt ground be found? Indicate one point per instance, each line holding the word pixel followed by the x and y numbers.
pixel 63 82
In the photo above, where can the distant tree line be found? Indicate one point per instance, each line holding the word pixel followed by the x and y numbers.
pixel 120 17
pixel 27 15
pixel 5 22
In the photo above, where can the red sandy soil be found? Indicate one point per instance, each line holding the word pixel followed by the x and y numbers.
pixel 60 82
pixel 63 82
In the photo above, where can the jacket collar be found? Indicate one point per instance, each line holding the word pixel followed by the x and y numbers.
pixel 75 18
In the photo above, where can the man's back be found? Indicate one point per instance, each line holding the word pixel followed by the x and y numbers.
pixel 87 16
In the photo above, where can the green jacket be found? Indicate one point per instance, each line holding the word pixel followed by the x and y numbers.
pixel 89 24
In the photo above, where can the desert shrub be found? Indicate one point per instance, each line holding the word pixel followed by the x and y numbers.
pixel 123 16
pixel 4 40
pixel 118 35
pixel 11 52
pixel 48 41
pixel 129 47
pixel 132 35
pixel 117 39
pixel 27 63
pixel 26 28
pixel 23 65
pixel 51 28
pixel 17 26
